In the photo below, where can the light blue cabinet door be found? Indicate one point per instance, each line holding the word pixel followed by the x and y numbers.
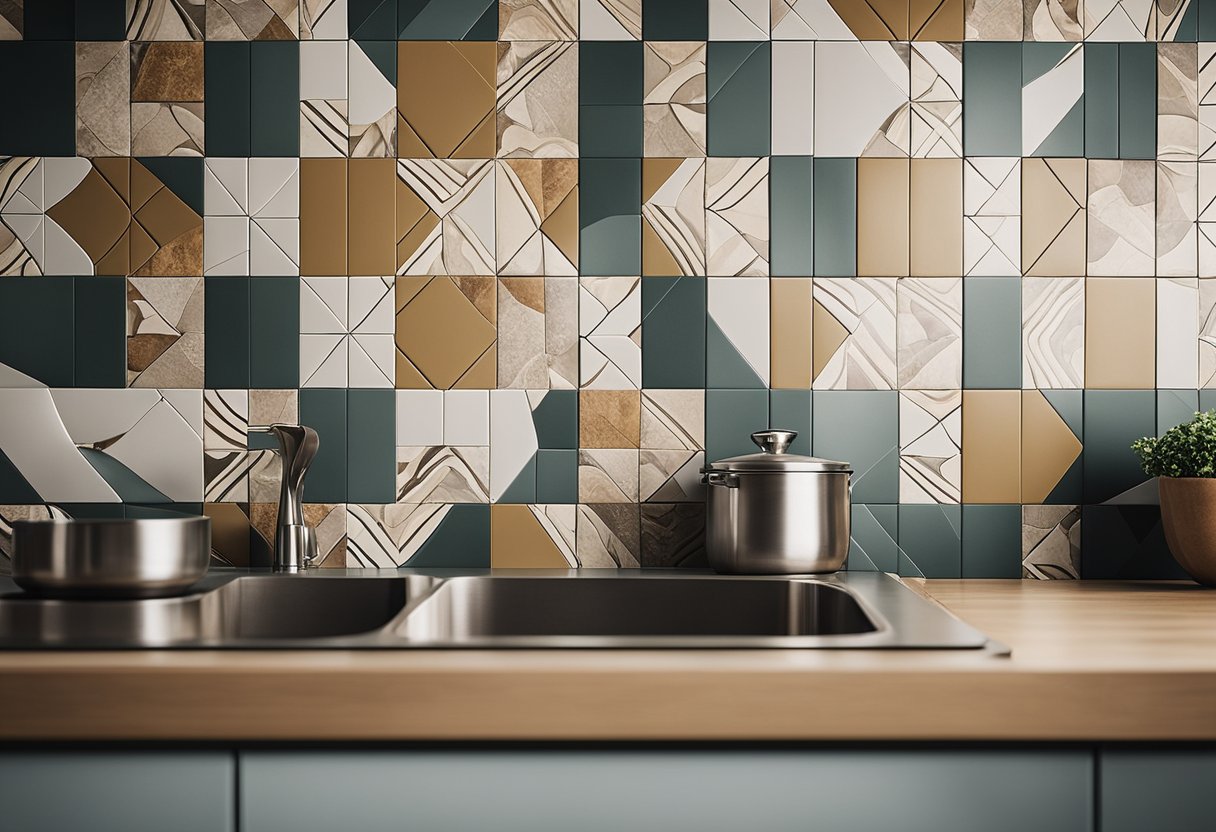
pixel 154 791
pixel 1159 790
pixel 590 791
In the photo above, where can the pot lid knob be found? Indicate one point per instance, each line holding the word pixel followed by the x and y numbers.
pixel 774 441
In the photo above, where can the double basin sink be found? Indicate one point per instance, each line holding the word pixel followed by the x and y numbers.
pixel 521 609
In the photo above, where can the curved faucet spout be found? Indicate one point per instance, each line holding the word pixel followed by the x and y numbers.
pixel 295 543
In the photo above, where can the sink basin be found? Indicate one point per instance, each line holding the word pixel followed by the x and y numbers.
pixel 599 608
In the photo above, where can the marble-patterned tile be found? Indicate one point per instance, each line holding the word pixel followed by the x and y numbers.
pixel 610 19
pixel 609 419
pixel 671 476
pixel 937 100
pixel 12 22
pixel 992 216
pixel 1051 542
pixel 103 97
pixel 537 20
pixel 993 20
pixel 1053 332
pixel 610 333
pixel 929 324
pixel 673 216
pixel 1119 20
pixel 537 99
pixel 1207 101
pixel 608 534
pixel 862 99
pixel 538 337
pixel 252 19
pixel 536 211
pixel 165 332
pixel 674 99
pixel 164 129
pixel 166 20
pixel 428 534
pixel 371 106
pixel 930 446
pixel 673 420
pixel 1207 219
pixel 443 474
pixel 1207 333
pixel 673 535
pixel 854 333
pixel 1053 20
pixel 608 475
pixel 1121 213
pixel 736 219
pixel 1177 219
pixel 1177 102
pixel 445 217
pixel 226 420
pixel 1177 333
pixel 1176 20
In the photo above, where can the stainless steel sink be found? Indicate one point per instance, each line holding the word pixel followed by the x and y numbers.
pixel 524 609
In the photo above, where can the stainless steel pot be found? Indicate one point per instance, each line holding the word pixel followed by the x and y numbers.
pixel 111 558
pixel 776 512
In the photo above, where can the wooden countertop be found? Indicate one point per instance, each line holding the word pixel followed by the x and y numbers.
pixel 1091 661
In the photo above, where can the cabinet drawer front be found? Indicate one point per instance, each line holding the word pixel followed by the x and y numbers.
pixel 152 791
pixel 589 791
pixel 1162 790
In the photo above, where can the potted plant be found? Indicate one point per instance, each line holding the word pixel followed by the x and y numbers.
pixel 1184 460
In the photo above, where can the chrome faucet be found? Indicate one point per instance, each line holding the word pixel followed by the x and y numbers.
pixel 295 542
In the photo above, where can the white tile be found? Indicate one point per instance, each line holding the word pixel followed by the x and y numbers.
pixel 371 361
pixel 513 441
pixel 738 20
pixel 225 245
pixel 322 70
pixel 39 446
pixel 274 188
pixel 420 417
pixel 793 98
pixel 226 187
pixel 859 88
pixel 739 306
pixel 371 95
pixel 274 247
pixel 323 360
pixel 371 305
pixel 1178 332
pixel 323 305
pixel 466 417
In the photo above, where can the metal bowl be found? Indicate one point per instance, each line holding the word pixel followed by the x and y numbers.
pixel 110 558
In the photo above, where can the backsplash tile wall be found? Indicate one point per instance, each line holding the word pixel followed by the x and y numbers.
pixel 526 265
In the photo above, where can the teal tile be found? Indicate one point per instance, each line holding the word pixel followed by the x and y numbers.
pixel 37 336
pixel 992 333
pixel 930 541
pixel 101 331
pixel 325 412
pixel 48 20
pixel 835 212
pixel 274 98
pixel 860 427
pixel 39 98
pixel 1187 28
pixel 129 486
pixel 226 80
pixel 96 511
pixel 556 420
pixel 673 332
pixel 992 98
pixel 1175 407
pixel 992 541
pixel 1102 100
pixel 731 417
pixel 557 476
pixel 1137 100
pixel 372 19
pixel 101 20
pixel 1207 398
pixel 791 410
pixel 610 216
pixel 383 55
pixel 610 72
pixel 610 130
pixel 873 545
pixel 725 367
pixel 1067 138
pixel 675 20
pixel 447 19
pixel 523 488
pixel 226 324
pixel 1069 405
pixel 274 332
pixel 460 541
pixel 148 512
pixel 1207 19
pixel 738 81
pixel 183 175
pixel 371 453
pixel 15 489
pixel 1113 420
pixel 1125 542
pixel 791 215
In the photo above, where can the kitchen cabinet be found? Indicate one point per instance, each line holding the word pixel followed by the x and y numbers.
pixel 708 790
pixel 117 791
pixel 1165 790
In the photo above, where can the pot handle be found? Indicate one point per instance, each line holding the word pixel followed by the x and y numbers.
pixel 724 479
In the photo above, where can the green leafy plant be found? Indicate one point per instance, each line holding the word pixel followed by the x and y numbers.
pixel 1188 450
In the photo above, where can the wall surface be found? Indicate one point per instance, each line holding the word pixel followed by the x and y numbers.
pixel 526 265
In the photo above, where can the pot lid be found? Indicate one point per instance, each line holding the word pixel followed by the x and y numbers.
pixel 773 456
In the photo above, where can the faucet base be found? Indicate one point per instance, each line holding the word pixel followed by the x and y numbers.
pixel 295 548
